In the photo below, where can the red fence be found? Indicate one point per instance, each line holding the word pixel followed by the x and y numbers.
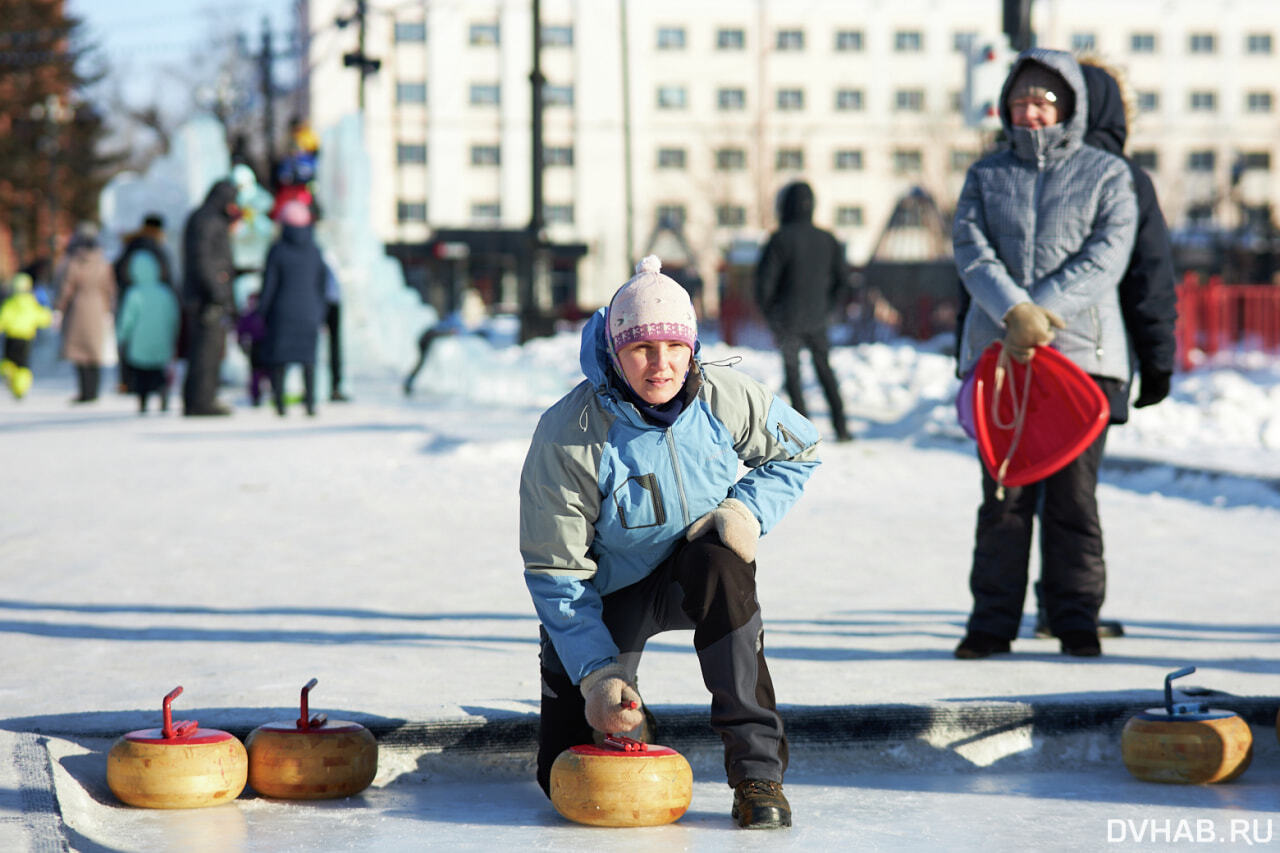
pixel 1214 316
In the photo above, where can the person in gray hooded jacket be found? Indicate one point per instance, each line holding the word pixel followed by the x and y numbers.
pixel 1042 236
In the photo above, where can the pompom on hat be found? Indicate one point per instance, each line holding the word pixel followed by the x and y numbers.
pixel 651 307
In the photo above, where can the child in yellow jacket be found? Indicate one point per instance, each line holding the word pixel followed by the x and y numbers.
pixel 21 316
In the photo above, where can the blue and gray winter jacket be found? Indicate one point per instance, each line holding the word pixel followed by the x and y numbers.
pixel 606 496
pixel 147 328
pixel 1051 221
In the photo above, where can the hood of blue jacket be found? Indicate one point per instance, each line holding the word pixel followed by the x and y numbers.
pixel 594 354
pixel 144 268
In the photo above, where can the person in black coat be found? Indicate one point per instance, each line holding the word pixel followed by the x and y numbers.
pixel 207 296
pixel 1148 291
pixel 801 275
pixel 293 303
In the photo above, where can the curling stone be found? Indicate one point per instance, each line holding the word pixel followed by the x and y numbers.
pixel 622 782
pixel 312 758
pixel 1186 743
pixel 177 766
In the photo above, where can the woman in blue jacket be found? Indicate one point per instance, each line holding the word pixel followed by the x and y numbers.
pixel 634 521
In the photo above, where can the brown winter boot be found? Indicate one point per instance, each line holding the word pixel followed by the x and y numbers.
pixel 760 804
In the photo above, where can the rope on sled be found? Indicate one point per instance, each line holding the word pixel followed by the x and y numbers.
pixel 1019 405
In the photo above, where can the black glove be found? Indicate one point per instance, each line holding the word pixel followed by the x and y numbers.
pixel 1153 388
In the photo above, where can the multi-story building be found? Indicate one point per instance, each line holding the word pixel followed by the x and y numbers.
pixel 696 112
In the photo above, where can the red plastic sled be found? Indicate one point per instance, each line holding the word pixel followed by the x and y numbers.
pixel 1063 412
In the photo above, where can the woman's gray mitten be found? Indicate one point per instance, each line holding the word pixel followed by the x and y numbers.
pixel 613 705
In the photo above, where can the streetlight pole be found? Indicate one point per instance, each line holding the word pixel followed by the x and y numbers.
pixel 532 260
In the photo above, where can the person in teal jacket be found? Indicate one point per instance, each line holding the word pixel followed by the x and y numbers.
pixel 148 328
pixel 634 520
pixel 21 317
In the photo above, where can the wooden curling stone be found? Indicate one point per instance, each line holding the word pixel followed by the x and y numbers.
pixel 1186 743
pixel 177 766
pixel 313 758
pixel 621 783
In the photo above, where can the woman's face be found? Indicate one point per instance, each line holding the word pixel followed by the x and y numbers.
pixel 655 370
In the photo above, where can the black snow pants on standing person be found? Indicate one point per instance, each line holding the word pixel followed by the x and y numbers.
pixel 1073 574
pixel 706 587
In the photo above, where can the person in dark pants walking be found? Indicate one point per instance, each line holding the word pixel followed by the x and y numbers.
pixel 207 295
pixel 292 304
pixel 634 520
pixel 801 277
pixel 1043 233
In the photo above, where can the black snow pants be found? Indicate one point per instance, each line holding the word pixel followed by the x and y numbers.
pixel 706 587
pixel 789 345
pixel 1073 574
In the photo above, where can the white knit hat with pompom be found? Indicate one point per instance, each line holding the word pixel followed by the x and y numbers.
pixel 651 307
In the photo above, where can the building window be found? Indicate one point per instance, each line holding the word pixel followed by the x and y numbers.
pixel 730 39
pixel 955 100
pixel 849 216
pixel 962 41
pixel 1146 158
pixel 908 41
pixel 1142 43
pixel 1201 161
pixel 731 99
pixel 1203 102
pixel 1203 43
pixel 557 155
pixel 557 96
pixel 731 159
pixel 849 100
pixel 558 214
pixel 790 99
pixel 557 35
pixel 1083 41
pixel 1257 102
pixel 411 93
pixel 410 32
pixel 962 159
pixel 486 211
pixel 671 97
pixel 411 211
pixel 486 94
pixel 670 38
pixel 848 160
pixel 790 40
pixel 486 155
pixel 671 215
pixel 671 158
pixel 789 159
pixel 411 153
pixel 485 35
pixel 1200 214
pixel 848 41
pixel 907 161
pixel 1256 160
pixel 731 215
pixel 1258 44
pixel 908 100
pixel 1148 102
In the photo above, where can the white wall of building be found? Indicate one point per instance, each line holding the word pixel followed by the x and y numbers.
pixel 855 203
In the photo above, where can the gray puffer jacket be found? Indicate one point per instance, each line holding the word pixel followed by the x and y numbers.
pixel 1052 221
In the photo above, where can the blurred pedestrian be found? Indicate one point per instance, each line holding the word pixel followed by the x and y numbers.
pixel 333 327
pixel 293 304
pixel 149 237
pixel 208 297
pixel 86 300
pixel 468 319
pixel 1042 236
pixel 251 330
pixel 21 317
pixel 147 328
pixel 634 520
pixel 800 279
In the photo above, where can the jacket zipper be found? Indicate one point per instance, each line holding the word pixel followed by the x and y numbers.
pixel 675 466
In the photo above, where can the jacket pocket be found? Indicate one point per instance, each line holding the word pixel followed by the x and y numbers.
pixel 639 502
